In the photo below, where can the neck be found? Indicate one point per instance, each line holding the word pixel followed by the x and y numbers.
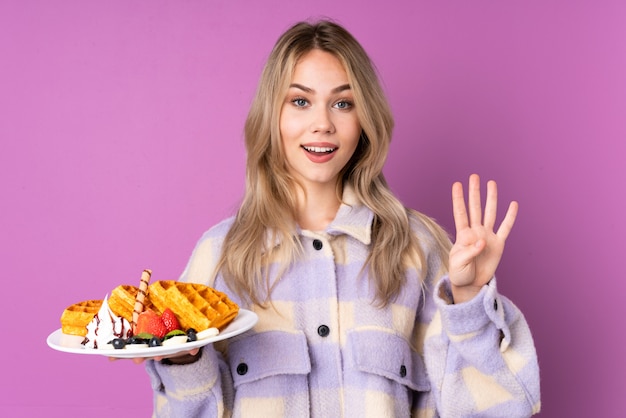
pixel 317 207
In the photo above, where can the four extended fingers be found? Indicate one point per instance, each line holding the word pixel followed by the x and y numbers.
pixel 474 206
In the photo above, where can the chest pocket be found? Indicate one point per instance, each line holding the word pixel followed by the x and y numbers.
pixel 267 355
pixel 385 354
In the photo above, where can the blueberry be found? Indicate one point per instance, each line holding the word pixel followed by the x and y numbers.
pixel 154 342
pixel 191 335
pixel 119 343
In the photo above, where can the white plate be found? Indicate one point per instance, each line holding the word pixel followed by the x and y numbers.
pixel 72 343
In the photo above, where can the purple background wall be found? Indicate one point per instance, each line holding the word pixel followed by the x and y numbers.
pixel 120 130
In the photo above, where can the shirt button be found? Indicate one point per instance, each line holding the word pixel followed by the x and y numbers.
pixel 495 304
pixel 323 331
pixel 403 371
pixel 242 368
pixel 317 244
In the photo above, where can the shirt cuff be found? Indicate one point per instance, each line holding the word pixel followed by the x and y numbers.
pixel 473 315
pixel 200 374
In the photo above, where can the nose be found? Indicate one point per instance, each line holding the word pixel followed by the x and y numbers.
pixel 322 121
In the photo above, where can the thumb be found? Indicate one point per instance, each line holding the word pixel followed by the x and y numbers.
pixel 474 250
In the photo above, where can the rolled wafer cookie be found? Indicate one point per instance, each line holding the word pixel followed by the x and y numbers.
pixel 141 295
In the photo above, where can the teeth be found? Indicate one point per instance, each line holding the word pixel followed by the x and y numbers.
pixel 319 149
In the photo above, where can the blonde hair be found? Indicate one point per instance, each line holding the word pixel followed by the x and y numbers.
pixel 267 215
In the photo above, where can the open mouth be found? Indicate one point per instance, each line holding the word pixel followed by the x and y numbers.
pixel 319 150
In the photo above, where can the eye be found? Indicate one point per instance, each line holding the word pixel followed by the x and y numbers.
pixel 343 104
pixel 299 102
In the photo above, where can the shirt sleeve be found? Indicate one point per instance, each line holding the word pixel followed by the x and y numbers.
pixel 190 390
pixel 480 356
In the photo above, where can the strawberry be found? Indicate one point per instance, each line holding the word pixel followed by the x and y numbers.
pixel 169 320
pixel 150 322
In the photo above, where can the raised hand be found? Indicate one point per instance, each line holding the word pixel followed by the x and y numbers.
pixel 478 249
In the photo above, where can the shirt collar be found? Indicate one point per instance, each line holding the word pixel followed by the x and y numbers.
pixel 353 218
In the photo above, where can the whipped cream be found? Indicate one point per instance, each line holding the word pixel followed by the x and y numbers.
pixel 106 326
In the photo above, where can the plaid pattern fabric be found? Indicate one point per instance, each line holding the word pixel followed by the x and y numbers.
pixel 325 349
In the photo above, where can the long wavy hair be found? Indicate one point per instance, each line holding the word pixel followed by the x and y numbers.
pixel 267 215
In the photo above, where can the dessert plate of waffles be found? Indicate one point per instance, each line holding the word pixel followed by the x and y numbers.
pixel 112 327
pixel 60 341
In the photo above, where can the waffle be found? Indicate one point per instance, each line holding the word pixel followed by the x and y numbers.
pixel 122 301
pixel 75 317
pixel 196 306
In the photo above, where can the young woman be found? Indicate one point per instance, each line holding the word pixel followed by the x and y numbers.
pixel 365 308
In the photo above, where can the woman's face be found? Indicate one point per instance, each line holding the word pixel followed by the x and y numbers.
pixel 318 122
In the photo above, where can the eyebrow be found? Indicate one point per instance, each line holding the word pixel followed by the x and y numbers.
pixel 306 89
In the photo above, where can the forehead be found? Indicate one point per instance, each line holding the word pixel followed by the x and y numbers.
pixel 320 67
